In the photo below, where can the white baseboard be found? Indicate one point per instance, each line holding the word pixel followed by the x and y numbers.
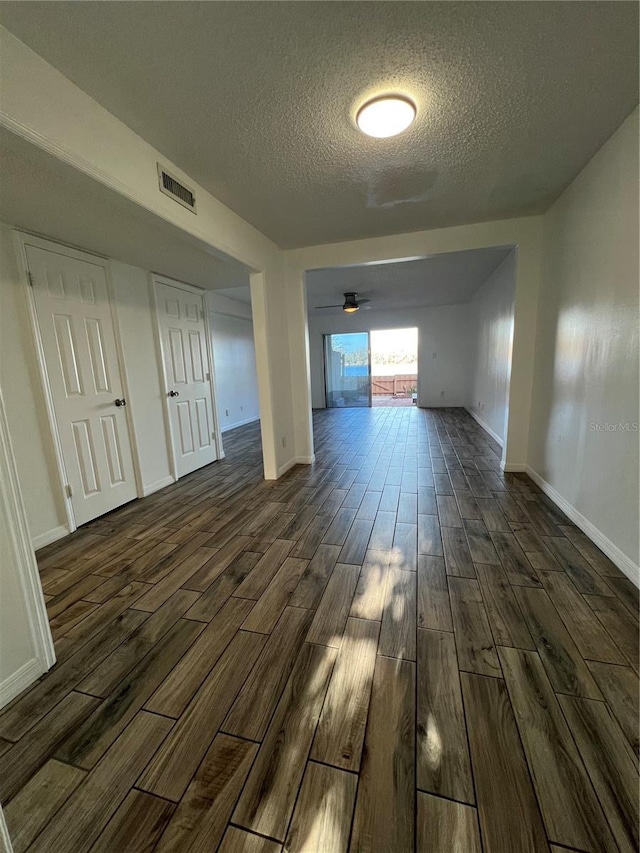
pixel 227 427
pixel 22 678
pixel 305 460
pixel 287 466
pixel 485 426
pixel 620 559
pixel 513 467
pixel 50 536
pixel 5 840
pixel 157 485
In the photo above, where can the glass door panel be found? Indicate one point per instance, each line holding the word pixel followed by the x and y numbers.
pixel 347 370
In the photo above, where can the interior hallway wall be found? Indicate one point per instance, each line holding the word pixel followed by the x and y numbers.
pixel 443 348
pixel 586 365
pixel 234 355
pixel 491 327
pixel 24 396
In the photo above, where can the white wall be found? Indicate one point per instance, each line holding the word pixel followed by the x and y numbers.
pixel 234 355
pixel 24 397
pixel 45 108
pixel 586 367
pixel 491 321
pixel 443 348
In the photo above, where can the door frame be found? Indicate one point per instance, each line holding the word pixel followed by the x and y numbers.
pixel 22 239
pixel 154 280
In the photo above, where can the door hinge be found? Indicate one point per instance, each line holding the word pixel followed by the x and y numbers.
pixel 68 491
pixel 208 377
pixel 30 276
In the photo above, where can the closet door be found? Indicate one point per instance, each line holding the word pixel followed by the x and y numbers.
pixel 76 330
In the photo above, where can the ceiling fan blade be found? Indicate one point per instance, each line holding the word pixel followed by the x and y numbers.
pixel 328 306
pixel 362 301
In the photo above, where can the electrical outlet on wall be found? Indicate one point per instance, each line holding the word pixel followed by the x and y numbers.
pixel 226 411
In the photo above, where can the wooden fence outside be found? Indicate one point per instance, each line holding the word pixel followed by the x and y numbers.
pixel 394 386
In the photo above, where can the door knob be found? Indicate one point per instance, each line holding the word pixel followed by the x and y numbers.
pixel 174 393
pixel 121 403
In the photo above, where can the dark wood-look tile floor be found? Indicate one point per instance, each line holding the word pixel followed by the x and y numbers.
pixel 400 648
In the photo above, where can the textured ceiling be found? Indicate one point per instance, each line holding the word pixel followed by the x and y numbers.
pixel 439 280
pixel 38 193
pixel 256 100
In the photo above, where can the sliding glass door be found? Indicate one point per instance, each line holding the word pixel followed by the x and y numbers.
pixel 347 370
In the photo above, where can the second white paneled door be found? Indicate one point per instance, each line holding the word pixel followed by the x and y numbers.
pixel 78 342
pixel 185 355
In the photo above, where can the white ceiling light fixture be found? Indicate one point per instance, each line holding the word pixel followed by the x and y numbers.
pixel 386 116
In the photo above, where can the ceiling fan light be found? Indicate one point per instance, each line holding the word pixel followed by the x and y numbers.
pixel 349 309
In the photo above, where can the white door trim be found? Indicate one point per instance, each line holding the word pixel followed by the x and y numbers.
pixel 21 241
pixel 12 508
pixel 156 279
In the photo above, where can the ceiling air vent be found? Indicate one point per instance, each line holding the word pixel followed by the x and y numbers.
pixel 174 189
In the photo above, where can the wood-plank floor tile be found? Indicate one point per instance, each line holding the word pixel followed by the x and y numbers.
pixel 331 615
pixel 252 710
pixel 405 547
pixel 355 546
pixel 368 599
pixel 457 556
pixel 102 680
pixel 398 632
pixel 23 759
pixel 610 763
pixel 176 691
pixel 590 637
pixel 384 819
pixel 169 773
pixel 621 689
pixel 446 827
pixel 442 752
pixel 340 733
pixel 507 807
pixel 269 607
pixel 315 577
pixel 619 623
pixel 200 820
pixel 434 609
pixel 565 667
pixel 518 569
pixel 429 536
pixel 39 800
pixel 383 530
pixel 505 617
pixel 136 825
pixel 264 570
pixel 570 809
pixel 322 816
pixel 448 511
pixel 79 822
pixel 269 795
pixel 240 841
pixel 339 528
pixel 583 575
pixel 94 736
pixel 480 544
pixel 476 651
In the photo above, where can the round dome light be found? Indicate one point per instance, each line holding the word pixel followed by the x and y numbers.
pixel 386 116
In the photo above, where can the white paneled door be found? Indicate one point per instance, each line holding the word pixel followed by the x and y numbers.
pixel 188 381
pixel 76 330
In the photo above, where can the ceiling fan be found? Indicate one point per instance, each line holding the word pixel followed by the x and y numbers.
pixel 351 304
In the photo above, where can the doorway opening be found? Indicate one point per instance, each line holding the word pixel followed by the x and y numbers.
pixel 394 367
